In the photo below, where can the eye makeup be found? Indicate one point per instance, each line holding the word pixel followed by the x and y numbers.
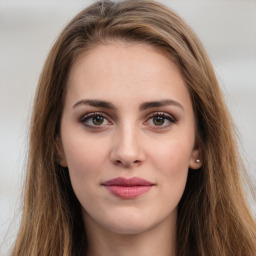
pixel 95 120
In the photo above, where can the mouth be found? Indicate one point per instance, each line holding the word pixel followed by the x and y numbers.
pixel 128 188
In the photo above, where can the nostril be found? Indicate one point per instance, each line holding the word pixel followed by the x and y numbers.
pixel 118 162
pixel 126 163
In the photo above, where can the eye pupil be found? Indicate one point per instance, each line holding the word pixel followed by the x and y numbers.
pixel 159 120
pixel 98 120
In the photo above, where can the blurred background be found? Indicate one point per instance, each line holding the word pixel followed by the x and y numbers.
pixel 28 29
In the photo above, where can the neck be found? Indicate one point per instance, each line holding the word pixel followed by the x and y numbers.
pixel 158 240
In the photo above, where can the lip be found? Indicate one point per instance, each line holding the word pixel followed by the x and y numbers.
pixel 128 188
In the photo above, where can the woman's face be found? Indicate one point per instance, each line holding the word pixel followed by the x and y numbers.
pixel 127 137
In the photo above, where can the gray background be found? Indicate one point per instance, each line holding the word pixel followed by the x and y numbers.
pixel 227 28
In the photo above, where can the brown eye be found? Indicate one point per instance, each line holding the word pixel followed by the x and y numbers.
pixel 158 120
pixel 95 120
pixel 161 121
pixel 98 120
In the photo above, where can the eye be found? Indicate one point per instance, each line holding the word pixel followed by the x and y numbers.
pixel 95 120
pixel 161 120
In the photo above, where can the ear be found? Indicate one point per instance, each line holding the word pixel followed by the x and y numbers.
pixel 60 154
pixel 196 158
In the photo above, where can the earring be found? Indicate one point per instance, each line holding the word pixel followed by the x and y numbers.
pixel 198 161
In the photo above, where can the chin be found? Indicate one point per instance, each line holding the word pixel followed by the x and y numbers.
pixel 129 227
pixel 129 223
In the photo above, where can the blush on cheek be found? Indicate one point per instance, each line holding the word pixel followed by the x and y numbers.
pixel 173 158
pixel 81 169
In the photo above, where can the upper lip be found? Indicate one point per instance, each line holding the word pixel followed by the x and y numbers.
pixel 127 182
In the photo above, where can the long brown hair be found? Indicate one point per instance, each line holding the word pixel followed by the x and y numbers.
pixel 213 217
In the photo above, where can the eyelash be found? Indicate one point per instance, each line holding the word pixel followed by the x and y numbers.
pixel 86 118
pixel 171 120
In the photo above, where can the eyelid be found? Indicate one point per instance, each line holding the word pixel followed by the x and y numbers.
pixel 166 116
pixel 89 115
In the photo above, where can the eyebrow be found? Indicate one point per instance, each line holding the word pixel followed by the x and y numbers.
pixel 143 106
pixel 160 103
pixel 96 103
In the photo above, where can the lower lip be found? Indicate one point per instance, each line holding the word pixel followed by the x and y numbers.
pixel 128 192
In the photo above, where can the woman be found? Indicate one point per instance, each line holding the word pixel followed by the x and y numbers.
pixel 132 150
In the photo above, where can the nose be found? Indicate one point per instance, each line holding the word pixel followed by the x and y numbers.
pixel 127 150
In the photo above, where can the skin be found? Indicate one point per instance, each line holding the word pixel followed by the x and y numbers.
pixel 128 141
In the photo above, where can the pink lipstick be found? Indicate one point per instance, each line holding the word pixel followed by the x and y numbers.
pixel 128 188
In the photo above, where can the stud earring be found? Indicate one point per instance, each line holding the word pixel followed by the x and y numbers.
pixel 198 161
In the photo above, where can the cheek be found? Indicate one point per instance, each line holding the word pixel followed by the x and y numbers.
pixel 84 158
pixel 172 162
pixel 85 161
pixel 172 157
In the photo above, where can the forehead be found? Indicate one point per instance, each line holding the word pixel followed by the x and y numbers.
pixel 104 58
pixel 124 70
